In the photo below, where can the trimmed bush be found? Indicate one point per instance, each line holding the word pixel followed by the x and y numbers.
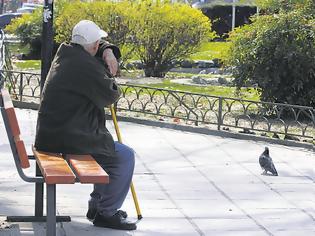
pixel 277 53
pixel 29 29
pixel 158 33
pixel 110 16
pixel 166 32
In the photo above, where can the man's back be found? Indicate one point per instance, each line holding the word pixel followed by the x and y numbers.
pixel 71 116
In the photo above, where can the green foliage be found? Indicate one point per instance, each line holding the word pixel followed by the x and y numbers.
pixel 223 91
pixel 29 29
pixel 110 16
pixel 277 53
pixel 28 65
pixel 211 50
pixel 165 32
pixel 158 33
pixel 272 6
pixel 16 48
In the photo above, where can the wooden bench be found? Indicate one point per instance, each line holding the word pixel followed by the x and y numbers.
pixel 51 169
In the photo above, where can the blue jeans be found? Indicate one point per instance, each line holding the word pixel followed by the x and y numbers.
pixel 108 198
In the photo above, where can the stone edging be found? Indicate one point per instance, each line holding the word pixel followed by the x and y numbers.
pixel 220 133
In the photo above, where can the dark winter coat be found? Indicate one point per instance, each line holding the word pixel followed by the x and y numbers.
pixel 71 117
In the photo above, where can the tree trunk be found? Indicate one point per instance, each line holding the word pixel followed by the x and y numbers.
pixel 155 70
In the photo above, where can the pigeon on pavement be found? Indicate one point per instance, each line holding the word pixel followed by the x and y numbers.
pixel 266 163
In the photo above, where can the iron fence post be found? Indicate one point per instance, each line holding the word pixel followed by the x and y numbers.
pixel 21 87
pixel 220 119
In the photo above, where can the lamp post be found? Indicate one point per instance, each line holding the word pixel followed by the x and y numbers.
pixel 47 40
pixel 233 14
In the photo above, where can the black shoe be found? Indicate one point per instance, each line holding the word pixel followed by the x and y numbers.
pixel 115 222
pixel 92 213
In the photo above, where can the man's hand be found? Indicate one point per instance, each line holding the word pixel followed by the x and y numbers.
pixel 111 61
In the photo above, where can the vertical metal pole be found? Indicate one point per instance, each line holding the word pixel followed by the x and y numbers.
pixel 233 15
pixel 21 87
pixel 51 210
pixel 39 195
pixel 47 41
pixel 220 113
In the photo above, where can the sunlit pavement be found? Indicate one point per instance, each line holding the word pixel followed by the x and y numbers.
pixel 187 184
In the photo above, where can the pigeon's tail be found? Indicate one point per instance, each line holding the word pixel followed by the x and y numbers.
pixel 273 170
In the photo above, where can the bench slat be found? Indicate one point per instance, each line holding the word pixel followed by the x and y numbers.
pixel 87 169
pixel 14 128
pixel 20 147
pixel 14 125
pixel 54 168
pixel 9 108
pixel 7 102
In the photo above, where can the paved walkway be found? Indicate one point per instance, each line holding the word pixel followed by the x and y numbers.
pixel 187 184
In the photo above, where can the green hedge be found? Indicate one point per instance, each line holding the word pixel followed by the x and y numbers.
pixel 277 53
pixel 158 33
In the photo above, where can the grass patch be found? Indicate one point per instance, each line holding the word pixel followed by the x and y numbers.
pixel 211 50
pixel 207 51
pixel 17 48
pixel 28 64
pixel 223 91
pixel 170 75
pixel 179 75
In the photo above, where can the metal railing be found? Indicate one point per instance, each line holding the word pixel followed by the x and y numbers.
pixel 24 86
pixel 291 121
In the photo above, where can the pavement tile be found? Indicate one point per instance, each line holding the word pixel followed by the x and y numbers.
pixel 243 226
pixel 293 232
pixel 187 184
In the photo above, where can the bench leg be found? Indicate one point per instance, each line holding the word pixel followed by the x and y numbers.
pixel 51 210
pixel 39 195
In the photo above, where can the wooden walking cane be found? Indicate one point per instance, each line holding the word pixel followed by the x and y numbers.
pixel 132 188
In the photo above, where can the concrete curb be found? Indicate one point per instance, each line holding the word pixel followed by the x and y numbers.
pixel 26 105
pixel 220 133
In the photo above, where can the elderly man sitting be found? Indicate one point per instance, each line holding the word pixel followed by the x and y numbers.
pixel 71 118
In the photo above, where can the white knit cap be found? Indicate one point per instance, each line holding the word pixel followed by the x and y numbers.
pixel 87 32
